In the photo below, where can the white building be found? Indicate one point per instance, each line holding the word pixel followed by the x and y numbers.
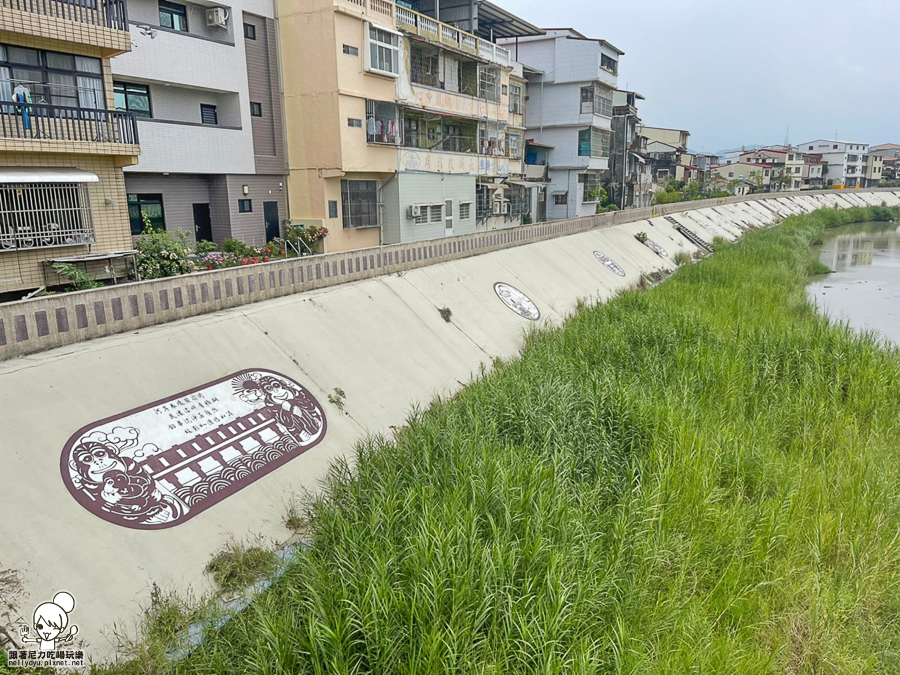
pixel 846 161
pixel 204 82
pixel 569 112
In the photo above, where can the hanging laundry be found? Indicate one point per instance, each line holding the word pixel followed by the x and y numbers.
pixel 22 94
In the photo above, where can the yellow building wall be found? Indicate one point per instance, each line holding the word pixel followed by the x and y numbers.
pixel 22 269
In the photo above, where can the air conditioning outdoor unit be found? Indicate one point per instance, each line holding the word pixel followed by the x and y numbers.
pixel 498 208
pixel 217 16
pixel 414 211
pixel 504 208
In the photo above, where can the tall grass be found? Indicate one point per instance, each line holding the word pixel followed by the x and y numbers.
pixel 700 478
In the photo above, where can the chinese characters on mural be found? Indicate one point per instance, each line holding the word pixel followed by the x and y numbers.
pixel 609 263
pixel 162 464
pixel 517 301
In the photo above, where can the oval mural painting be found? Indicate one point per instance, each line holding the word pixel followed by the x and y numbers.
pixel 609 263
pixel 517 301
pixel 162 464
pixel 656 248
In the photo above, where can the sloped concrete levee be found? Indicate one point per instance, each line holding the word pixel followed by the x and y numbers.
pixel 366 349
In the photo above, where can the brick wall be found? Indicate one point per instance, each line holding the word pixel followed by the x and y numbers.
pixel 42 323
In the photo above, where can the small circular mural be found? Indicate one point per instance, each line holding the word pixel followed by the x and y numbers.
pixel 517 301
pixel 656 248
pixel 609 263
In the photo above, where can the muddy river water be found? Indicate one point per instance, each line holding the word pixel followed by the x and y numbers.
pixel 864 288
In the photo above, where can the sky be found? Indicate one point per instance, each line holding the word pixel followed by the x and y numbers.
pixel 749 72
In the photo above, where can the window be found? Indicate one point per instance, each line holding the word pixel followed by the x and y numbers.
pixel 249 31
pixel 767 172
pixel 834 147
pixel 796 169
pixel 382 122
pixel 134 98
pixel 172 15
pixel 350 50
pixel 384 52
pixel 148 207
pixel 515 99
pixel 591 182
pixel 514 144
pixel 435 212
pixel 332 208
pixel 519 200
pixel 504 90
pixel 790 158
pixel 43 215
pixel 731 174
pixel 465 210
pixel 561 198
pixel 52 78
pixel 422 217
pixel 482 202
pixel 359 203
pixel 245 206
pixel 354 122
pixel 208 114
pixel 597 100
pixel 255 109
pixel 593 142
pixel 608 63
pixel 489 83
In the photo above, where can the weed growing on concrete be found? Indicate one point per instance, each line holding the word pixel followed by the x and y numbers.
pixel 641 237
pixel 682 258
pixel 239 564
pixel 445 313
pixel 337 398
pixel 295 516
pixel 699 478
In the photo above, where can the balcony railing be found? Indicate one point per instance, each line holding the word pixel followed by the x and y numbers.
pixel 41 122
pixel 107 13
pixel 437 31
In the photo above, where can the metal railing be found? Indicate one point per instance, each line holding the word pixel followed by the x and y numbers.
pixel 108 13
pixel 45 215
pixel 38 121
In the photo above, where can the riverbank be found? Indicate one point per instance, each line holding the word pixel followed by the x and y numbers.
pixel 699 477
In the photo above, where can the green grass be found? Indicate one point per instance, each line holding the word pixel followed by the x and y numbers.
pixel 239 565
pixel 702 478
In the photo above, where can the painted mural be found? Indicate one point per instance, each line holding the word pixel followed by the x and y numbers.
pixel 159 465
pixel 656 248
pixel 517 301
pixel 609 263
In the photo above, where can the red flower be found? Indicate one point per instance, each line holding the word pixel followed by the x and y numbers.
pixel 282 251
pixel 266 259
pixel 209 267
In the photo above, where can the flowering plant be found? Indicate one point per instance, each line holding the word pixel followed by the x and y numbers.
pixel 162 254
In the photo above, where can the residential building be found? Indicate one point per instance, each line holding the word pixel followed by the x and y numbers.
pixel 571 80
pixel 670 159
pixel 786 162
pixel 745 177
pixel 630 180
pixel 408 128
pixel 813 173
pixel 203 82
pixel 62 144
pixel 846 161
pixel 874 170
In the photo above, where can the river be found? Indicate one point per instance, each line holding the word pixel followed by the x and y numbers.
pixel 864 287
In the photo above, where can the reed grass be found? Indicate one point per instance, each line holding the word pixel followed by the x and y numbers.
pixel 702 478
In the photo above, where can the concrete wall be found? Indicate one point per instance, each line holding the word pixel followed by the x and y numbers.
pixel 43 323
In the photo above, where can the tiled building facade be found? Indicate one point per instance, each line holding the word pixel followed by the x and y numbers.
pixel 62 145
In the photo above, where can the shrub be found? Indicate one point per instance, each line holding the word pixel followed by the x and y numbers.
pixel 79 278
pixel 682 258
pixel 162 254
pixel 203 247
pixel 236 246
pixel 308 235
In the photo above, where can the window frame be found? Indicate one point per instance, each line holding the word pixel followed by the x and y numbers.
pixel 172 10
pixel 370 188
pixel 145 114
pixel 46 89
pixel 465 211
pixel 256 111
pixel 375 42
pixel 245 205
pixel 206 107
pixel 247 33
pixel 140 199
pixel 561 199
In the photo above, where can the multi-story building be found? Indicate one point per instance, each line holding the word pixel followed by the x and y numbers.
pixel 669 156
pixel 203 82
pixel 786 162
pixel 745 177
pixel 62 143
pixel 408 128
pixel 846 161
pixel 570 107
pixel 814 168
pixel 630 181
pixel 874 170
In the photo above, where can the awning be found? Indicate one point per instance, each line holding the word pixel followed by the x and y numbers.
pixel 501 23
pixel 527 183
pixel 560 192
pixel 38 174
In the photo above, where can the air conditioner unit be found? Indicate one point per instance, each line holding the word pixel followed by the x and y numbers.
pixel 504 208
pixel 498 208
pixel 414 211
pixel 217 16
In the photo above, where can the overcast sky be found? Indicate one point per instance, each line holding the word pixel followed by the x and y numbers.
pixel 736 72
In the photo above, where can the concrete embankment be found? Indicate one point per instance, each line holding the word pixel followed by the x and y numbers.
pixel 365 351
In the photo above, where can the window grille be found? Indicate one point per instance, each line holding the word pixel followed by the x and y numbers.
pixel 435 213
pixel 515 99
pixel 593 142
pixel 424 67
pixel 514 143
pixel 519 200
pixel 359 203
pixel 597 100
pixel 483 202
pixel 45 215
pixel 489 83
pixel 465 210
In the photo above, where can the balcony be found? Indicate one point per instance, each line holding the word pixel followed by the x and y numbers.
pixel 32 127
pixel 99 23
pixel 445 34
